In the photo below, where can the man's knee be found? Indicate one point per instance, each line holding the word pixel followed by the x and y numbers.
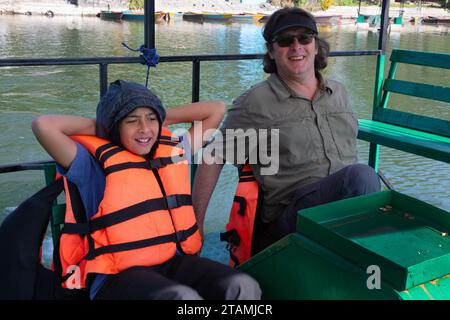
pixel 177 292
pixel 241 286
pixel 362 179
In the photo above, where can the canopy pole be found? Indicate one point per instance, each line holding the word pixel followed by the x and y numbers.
pixel 149 24
pixel 384 26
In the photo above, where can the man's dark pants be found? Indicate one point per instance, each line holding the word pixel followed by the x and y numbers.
pixel 351 181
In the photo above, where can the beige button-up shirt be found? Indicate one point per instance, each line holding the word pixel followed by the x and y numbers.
pixel 315 138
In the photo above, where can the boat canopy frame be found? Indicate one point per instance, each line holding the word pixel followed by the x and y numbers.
pixel 149 42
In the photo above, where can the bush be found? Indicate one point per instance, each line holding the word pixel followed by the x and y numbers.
pixel 299 3
pixel 346 2
pixel 136 4
pixel 325 4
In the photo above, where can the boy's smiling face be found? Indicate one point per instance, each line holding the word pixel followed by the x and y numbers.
pixel 139 130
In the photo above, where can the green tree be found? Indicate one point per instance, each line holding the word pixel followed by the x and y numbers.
pixel 299 3
pixel 136 4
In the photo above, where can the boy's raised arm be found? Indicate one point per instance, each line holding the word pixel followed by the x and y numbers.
pixel 205 116
pixel 53 133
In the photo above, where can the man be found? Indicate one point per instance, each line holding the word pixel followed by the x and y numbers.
pixel 316 128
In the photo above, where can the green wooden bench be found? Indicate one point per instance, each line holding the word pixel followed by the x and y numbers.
pixel 417 134
pixel 58 209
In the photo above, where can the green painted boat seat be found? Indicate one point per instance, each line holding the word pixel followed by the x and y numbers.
pixel 58 209
pixel 413 141
pixel 342 249
pixel 418 134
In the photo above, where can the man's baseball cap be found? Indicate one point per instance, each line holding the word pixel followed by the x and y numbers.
pixel 293 20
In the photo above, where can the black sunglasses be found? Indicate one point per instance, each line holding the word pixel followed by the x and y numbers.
pixel 287 39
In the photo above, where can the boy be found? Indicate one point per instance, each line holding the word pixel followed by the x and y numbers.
pixel 143 238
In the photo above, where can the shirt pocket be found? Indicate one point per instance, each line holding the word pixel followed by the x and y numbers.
pixel 344 130
pixel 296 143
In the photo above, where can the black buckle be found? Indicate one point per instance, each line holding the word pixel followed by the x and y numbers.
pixel 242 204
pixel 172 202
pixel 231 236
pixel 180 236
pixel 154 163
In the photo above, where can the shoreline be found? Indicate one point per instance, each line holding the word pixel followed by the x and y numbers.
pixel 346 12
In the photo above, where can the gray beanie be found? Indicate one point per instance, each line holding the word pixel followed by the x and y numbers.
pixel 122 98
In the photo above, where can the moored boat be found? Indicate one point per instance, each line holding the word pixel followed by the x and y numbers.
pixel 111 15
pixel 264 18
pixel 246 17
pixel 435 20
pixel 193 16
pixel 139 15
pixel 213 16
pixel 328 19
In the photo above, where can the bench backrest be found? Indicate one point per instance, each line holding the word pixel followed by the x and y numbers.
pixel 439 93
pixel 58 209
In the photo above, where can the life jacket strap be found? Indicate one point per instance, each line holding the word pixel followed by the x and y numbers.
pixel 249 179
pixel 246 174
pixel 234 259
pixel 108 154
pixel 230 236
pixel 156 163
pixel 75 228
pixel 242 204
pixel 161 162
pixel 113 218
pixel 133 245
pixel 170 141
pixel 103 148
pixel 183 235
pixel 169 138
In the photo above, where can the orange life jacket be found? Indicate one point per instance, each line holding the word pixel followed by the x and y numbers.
pixel 240 227
pixel 145 215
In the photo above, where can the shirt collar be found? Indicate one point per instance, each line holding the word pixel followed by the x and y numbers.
pixel 283 92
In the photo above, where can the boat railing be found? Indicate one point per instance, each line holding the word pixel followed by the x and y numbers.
pixel 104 62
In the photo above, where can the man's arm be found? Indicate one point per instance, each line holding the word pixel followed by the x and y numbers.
pixel 205 181
pixel 205 116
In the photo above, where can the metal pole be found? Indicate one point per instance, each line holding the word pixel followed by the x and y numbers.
pixel 103 78
pixel 149 24
pixel 384 26
pixel 195 80
pixel 195 98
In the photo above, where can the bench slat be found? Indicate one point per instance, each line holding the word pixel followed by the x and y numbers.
pixel 429 59
pixel 58 214
pixel 420 90
pixel 413 121
pixel 408 140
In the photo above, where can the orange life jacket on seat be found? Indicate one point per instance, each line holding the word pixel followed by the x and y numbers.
pixel 240 227
pixel 145 214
